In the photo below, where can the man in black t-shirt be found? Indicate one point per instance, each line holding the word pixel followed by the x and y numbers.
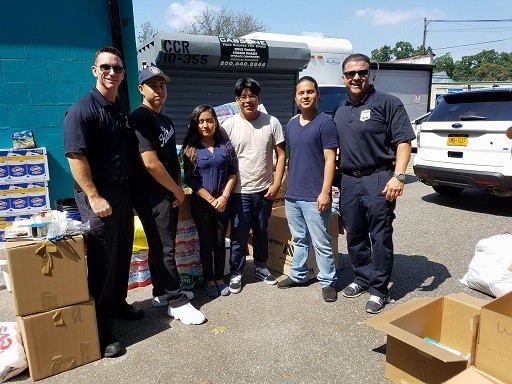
pixel 157 194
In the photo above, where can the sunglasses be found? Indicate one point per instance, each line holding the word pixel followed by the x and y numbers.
pixel 352 74
pixel 108 67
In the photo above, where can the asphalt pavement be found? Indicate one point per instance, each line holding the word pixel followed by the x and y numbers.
pixel 269 335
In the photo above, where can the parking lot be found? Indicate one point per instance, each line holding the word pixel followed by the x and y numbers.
pixel 268 335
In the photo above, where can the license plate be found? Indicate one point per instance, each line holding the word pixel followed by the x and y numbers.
pixel 458 140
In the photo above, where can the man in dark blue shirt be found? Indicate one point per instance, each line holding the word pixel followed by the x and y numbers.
pixel 97 145
pixel 375 136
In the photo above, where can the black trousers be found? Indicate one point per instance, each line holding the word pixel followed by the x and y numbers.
pixel 160 221
pixel 109 250
pixel 211 228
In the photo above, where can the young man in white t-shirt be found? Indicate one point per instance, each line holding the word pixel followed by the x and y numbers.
pixel 256 136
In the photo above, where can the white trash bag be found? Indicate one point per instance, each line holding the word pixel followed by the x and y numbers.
pixel 12 355
pixel 490 269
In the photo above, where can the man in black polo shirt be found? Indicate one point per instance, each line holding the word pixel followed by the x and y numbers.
pixel 375 136
pixel 97 145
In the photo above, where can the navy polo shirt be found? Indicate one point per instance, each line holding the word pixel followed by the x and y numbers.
pixel 370 131
pixel 99 130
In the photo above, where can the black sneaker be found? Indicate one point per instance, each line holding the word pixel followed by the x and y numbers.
pixel 264 274
pixel 289 283
pixel 353 290
pixel 329 294
pixel 375 304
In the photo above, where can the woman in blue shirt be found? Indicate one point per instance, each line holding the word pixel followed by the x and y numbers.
pixel 210 166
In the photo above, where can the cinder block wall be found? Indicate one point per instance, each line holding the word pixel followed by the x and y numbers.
pixel 46 53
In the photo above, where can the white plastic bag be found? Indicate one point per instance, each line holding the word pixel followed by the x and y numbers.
pixel 489 269
pixel 12 355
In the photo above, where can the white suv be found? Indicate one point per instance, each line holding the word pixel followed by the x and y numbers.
pixel 467 143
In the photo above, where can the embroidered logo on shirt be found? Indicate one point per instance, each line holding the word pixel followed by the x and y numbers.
pixel 165 135
pixel 365 115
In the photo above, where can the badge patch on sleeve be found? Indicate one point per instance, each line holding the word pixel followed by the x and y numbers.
pixel 365 115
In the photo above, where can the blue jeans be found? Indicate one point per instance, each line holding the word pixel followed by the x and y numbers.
pixel 306 222
pixel 249 211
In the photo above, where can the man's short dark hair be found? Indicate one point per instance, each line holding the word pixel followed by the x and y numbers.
pixel 356 57
pixel 247 82
pixel 111 50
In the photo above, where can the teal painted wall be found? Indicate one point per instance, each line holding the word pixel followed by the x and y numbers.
pixel 46 53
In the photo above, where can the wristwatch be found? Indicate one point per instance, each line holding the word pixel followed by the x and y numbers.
pixel 399 176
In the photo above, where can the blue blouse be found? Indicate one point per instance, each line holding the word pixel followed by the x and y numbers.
pixel 212 169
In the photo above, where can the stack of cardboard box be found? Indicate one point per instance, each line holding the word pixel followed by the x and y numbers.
pixel 453 339
pixel 23 184
pixel 55 314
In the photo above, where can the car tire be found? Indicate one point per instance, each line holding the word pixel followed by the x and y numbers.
pixel 447 190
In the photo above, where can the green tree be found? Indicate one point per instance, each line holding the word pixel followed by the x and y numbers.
pixel 403 50
pixel 491 72
pixel 384 53
pixel 147 32
pixel 223 23
pixel 444 63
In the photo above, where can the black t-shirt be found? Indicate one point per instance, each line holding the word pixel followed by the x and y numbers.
pixel 153 132
pixel 99 130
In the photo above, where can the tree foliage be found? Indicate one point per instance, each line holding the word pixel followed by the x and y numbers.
pixel 401 50
pixel 223 23
pixel 146 32
pixel 484 66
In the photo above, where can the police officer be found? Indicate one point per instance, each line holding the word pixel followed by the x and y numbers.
pixel 97 146
pixel 375 136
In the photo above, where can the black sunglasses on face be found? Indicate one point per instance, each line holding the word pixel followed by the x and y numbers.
pixel 352 74
pixel 108 67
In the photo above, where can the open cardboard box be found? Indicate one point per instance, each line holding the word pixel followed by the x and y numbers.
pixel 493 361
pixel 451 320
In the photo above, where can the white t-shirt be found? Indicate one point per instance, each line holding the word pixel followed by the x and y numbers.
pixel 254 143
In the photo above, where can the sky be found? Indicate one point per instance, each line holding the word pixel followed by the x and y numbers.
pixel 458 27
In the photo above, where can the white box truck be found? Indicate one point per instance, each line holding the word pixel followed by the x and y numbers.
pixel 327 55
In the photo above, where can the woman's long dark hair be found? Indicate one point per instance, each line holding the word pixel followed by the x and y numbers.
pixel 193 138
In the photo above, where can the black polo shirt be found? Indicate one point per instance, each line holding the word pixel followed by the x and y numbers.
pixel 370 131
pixel 98 129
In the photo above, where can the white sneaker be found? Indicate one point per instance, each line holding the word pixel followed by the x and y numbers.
pixel 187 314
pixel 161 301
pixel 235 284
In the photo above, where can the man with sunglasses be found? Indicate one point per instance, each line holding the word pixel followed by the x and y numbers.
pixel 375 136
pixel 97 146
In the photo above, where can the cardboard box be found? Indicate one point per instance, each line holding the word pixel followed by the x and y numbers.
pixel 60 340
pixel 47 274
pixel 451 320
pixel 280 248
pixel 473 376
pixel 494 349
